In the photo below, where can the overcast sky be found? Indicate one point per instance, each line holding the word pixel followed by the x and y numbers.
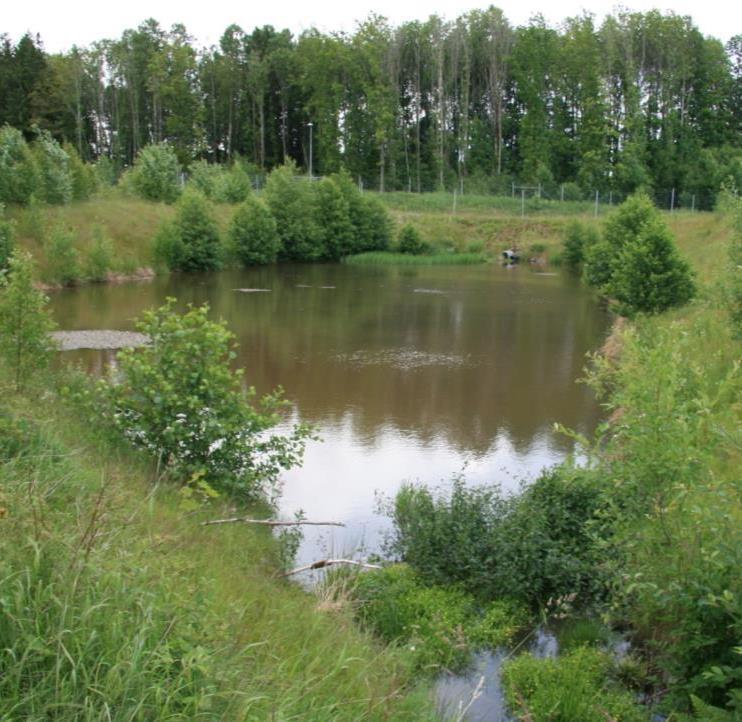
pixel 63 24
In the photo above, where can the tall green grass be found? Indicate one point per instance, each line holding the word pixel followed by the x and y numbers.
pixel 388 258
pixel 116 604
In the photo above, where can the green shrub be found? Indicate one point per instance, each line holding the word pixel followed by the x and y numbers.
pixel 156 173
pixel 409 241
pixel 533 547
pixel 253 236
pixel 233 185
pixel 439 626
pixel 178 398
pixel 670 465
pixel 332 214
pixel 84 177
pixel 220 183
pixel 18 172
pixel 649 276
pixel 577 238
pixel 190 242
pixel 291 200
pixel 372 226
pixel 7 240
pixel 55 175
pixel 25 323
pixel 62 261
pixel 105 172
pixel 570 688
pixel 619 228
pixel 100 256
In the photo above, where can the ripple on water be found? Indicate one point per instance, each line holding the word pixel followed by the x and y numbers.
pixel 406 359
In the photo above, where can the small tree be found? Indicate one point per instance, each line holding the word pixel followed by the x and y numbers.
pixel 410 241
pixel 156 173
pixel 253 235
pixel 54 173
pixel 291 201
pixel 84 178
pixel 178 398
pixel 25 323
pixel 578 238
pixel 649 275
pixel 621 227
pixel 62 258
pixel 18 173
pixel 191 241
pixel 333 219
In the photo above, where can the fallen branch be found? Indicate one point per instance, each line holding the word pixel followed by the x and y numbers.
pixel 270 522
pixel 322 563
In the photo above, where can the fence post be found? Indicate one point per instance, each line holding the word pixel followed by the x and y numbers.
pixel 513 196
pixel 672 201
pixel 693 203
pixel 522 202
pixel 597 202
pixel 539 191
pixel 562 194
pixel 454 202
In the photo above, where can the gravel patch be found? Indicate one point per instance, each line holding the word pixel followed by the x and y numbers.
pixel 73 340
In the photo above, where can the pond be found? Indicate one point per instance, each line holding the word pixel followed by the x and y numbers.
pixel 408 374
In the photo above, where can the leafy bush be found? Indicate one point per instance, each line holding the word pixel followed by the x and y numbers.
pixel 372 226
pixel 439 626
pixel 84 178
pixel 670 464
pixel 577 238
pixel 54 173
pixel 178 398
pixel 220 183
pixel 532 547
pixel 156 173
pixel 18 172
pixel 191 241
pixel 649 276
pixel 7 239
pixel 233 185
pixel 336 231
pixel 253 236
pixel 62 263
pixel 619 228
pixel 570 688
pixel 25 323
pixel 100 256
pixel 409 241
pixel 291 201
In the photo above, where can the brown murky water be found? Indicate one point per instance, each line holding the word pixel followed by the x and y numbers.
pixel 407 373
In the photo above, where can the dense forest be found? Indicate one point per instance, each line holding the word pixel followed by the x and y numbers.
pixel 474 104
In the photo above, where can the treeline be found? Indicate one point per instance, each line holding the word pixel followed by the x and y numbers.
pixel 643 100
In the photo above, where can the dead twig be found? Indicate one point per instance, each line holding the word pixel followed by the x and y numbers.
pixel 270 522
pixel 322 563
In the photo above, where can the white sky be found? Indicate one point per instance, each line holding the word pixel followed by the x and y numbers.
pixel 63 24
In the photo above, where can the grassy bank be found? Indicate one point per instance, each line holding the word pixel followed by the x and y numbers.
pixel 387 258
pixel 117 604
pixel 480 226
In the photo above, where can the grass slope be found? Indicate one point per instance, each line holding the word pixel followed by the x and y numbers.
pixel 117 604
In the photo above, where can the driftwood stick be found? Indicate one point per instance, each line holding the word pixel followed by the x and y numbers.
pixel 322 563
pixel 270 522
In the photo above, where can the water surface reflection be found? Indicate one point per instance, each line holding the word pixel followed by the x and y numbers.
pixel 407 373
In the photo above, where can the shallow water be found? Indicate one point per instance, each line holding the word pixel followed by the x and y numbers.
pixel 407 373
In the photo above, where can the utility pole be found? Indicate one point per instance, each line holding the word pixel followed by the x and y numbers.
pixel 311 127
